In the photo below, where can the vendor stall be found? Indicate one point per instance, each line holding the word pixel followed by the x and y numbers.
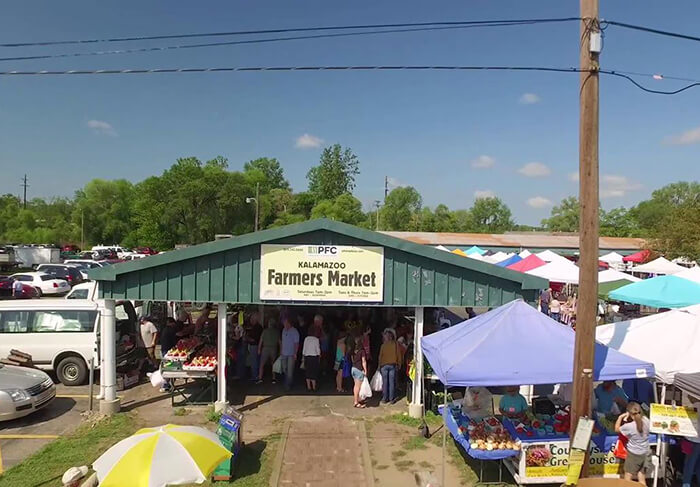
pixel 660 292
pixel 514 345
pixel 190 369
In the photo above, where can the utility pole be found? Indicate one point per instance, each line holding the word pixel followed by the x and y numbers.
pixel 82 230
pixel 257 204
pixel 24 185
pixel 377 203
pixel 386 187
pixel 586 310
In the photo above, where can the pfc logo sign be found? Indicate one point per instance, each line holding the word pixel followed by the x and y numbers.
pixel 321 250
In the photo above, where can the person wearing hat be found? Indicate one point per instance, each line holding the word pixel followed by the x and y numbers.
pixel 73 477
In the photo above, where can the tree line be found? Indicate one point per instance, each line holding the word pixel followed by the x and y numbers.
pixel 192 201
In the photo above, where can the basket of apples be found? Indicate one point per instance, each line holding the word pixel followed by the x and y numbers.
pixel 205 359
pixel 184 347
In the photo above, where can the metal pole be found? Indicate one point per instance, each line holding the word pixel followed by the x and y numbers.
pixel 587 307
pixel 82 230
pixel 257 205
pixel 416 406
pixel 110 403
pixel 221 401
pixel 91 381
pixel 444 435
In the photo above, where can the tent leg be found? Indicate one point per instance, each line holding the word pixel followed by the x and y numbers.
pixel 444 437
pixel 221 400
pixel 415 409
pixel 660 466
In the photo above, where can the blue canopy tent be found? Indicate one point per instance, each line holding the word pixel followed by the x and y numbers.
pixel 514 345
pixel 510 260
pixel 660 292
pixel 475 250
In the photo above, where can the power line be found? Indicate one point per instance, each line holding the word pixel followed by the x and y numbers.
pixel 650 30
pixel 251 41
pixel 650 90
pixel 288 30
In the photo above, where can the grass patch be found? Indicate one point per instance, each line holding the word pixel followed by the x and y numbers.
pixel 181 412
pixel 82 447
pixel 431 419
pixel 211 415
pixel 414 443
pixel 397 454
pixel 427 465
pixel 403 465
pixel 382 467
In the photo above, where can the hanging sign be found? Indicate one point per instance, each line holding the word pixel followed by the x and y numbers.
pixel 673 420
pixel 343 273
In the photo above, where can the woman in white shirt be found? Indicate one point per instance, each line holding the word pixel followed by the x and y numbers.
pixel 637 434
pixel 312 358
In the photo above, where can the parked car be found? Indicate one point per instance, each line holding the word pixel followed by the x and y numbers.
pixel 145 251
pixel 63 334
pixel 71 248
pixel 23 391
pixel 89 263
pixel 43 283
pixel 86 290
pixel 6 283
pixel 120 252
pixel 66 272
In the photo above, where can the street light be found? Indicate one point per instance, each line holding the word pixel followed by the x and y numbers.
pixel 249 200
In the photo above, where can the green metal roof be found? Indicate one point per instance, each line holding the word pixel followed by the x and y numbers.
pixel 228 270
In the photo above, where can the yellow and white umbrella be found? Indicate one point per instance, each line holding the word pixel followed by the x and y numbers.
pixel 165 455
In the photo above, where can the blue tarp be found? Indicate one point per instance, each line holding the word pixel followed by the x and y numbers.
pixel 474 250
pixel 515 344
pixel 659 292
pixel 510 260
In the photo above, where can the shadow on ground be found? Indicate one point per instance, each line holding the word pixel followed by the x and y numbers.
pixel 57 408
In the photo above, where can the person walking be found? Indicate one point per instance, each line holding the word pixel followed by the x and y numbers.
pixel 149 335
pixel 359 368
pixel 252 337
pixel 389 360
pixel 267 349
pixel 555 309
pixel 637 434
pixel 289 350
pixel 691 465
pixel 17 289
pixel 340 358
pixel 311 354
pixel 545 298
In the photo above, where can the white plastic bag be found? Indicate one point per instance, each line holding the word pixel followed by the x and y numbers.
pixel 277 366
pixel 376 382
pixel 365 390
pixel 156 379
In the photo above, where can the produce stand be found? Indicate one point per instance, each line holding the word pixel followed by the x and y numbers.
pixel 191 368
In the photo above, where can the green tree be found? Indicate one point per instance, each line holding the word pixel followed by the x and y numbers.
pixel 617 223
pixel 564 217
pixel 335 173
pixel 267 172
pixel 677 234
pixel 649 214
pixel 490 215
pixel 106 207
pixel 345 208
pixel 399 209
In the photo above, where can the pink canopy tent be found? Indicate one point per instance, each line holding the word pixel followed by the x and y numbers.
pixel 639 257
pixel 528 263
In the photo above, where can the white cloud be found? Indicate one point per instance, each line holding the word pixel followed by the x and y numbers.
pixel 574 176
pixel 539 202
pixel 483 193
pixel 616 186
pixel 483 162
pixel 101 127
pixel 688 137
pixel 528 99
pixel 534 170
pixel 308 141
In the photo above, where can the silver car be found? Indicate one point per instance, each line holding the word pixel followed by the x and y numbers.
pixel 23 391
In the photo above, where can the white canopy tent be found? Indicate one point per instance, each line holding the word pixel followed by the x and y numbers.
pixel 659 266
pixel 669 340
pixel 692 274
pixel 441 247
pixel 557 271
pixel 524 254
pixel 550 256
pixel 610 275
pixel 498 257
pixel 611 258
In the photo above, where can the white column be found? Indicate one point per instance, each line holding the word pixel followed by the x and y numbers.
pixel 221 401
pixel 415 409
pixel 110 403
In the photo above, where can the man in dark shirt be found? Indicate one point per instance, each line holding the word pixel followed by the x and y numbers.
pixel 252 337
pixel 168 338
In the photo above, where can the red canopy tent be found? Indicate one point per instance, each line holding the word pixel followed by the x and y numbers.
pixel 639 257
pixel 528 263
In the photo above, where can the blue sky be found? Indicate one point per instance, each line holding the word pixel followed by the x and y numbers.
pixel 452 135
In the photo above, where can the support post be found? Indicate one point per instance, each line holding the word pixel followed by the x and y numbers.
pixel 110 403
pixel 415 409
pixel 221 401
pixel 587 308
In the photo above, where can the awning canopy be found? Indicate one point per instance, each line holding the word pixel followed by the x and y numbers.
pixel 498 257
pixel 669 340
pixel 459 252
pixel 442 247
pixel 524 254
pixel 690 383
pixel 509 261
pixel 529 262
pixel 605 288
pixel 514 345
pixel 638 257
pixel 659 266
pixel 557 271
pixel 692 274
pixel 550 256
pixel 475 250
pixel 613 275
pixel 660 292
pixel 612 258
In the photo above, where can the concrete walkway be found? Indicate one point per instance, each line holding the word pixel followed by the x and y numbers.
pixel 323 451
